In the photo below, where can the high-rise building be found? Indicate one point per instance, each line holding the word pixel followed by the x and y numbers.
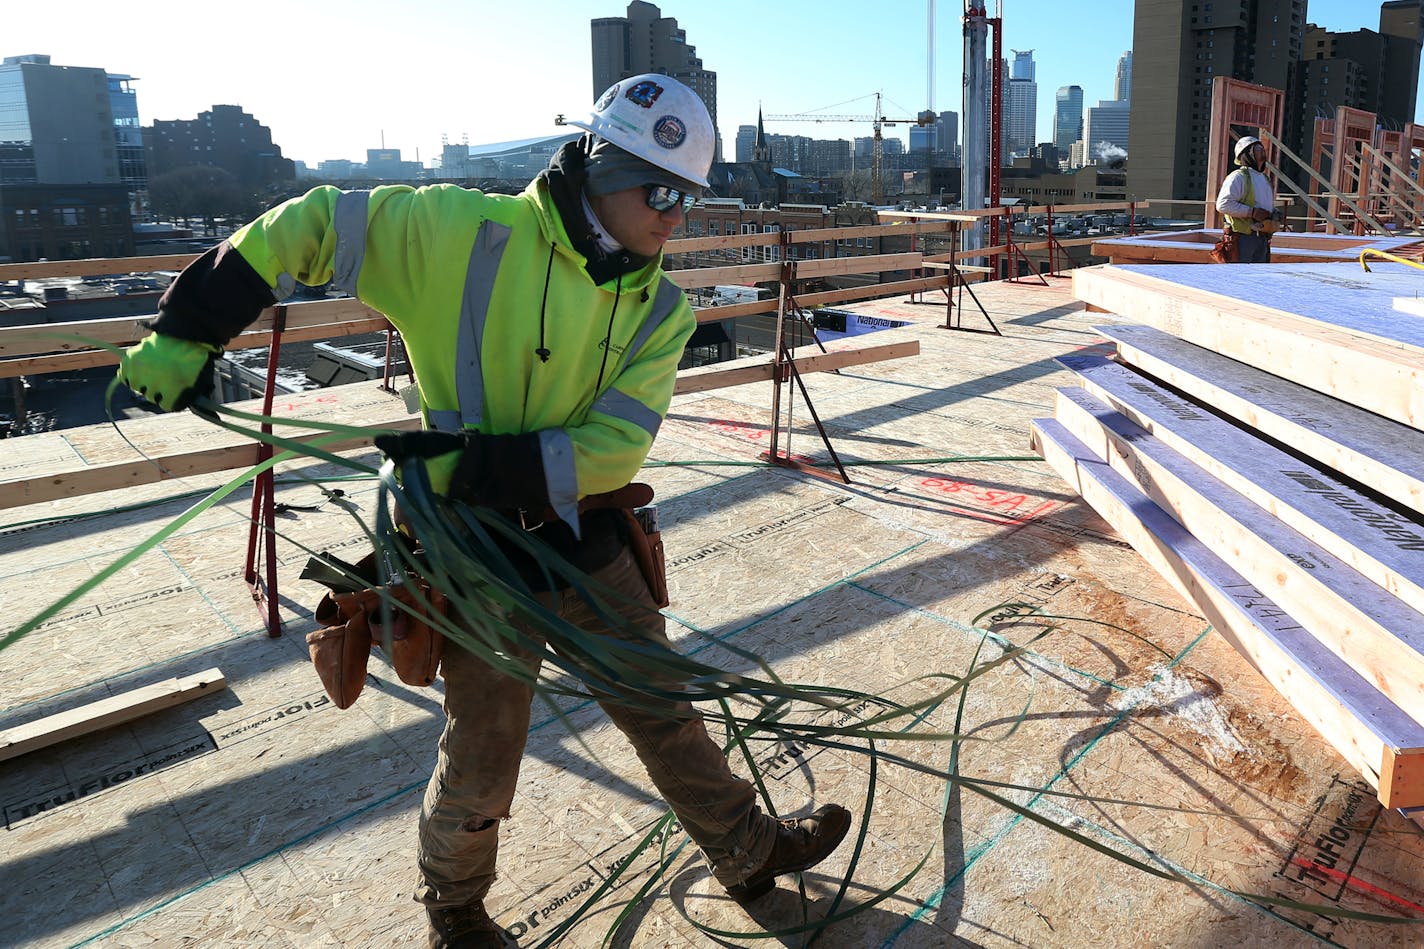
pixel 1122 82
pixel 128 133
pixel 1021 116
pixel 1020 106
pixel 70 172
pixel 1067 117
pixel 1023 66
pixel 645 41
pixel 57 123
pixel 746 141
pixel 949 136
pixel 924 143
pixel 1402 26
pixel 1376 72
pixel 1005 155
pixel 1105 131
pixel 1185 46
pixel 227 138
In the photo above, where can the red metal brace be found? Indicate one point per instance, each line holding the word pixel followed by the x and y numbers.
pixel 263 501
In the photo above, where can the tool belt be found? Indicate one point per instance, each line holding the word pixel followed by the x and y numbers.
pixel 352 620
pixel 351 614
pixel 634 502
pixel 645 540
pixel 1226 250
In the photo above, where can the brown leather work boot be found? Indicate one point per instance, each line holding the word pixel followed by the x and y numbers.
pixel 465 927
pixel 800 844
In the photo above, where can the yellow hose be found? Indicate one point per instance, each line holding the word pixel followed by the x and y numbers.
pixel 1371 252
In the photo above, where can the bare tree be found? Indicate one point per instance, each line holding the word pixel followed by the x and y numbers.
pixel 199 191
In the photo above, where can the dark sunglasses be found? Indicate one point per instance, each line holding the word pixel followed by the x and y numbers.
pixel 661 198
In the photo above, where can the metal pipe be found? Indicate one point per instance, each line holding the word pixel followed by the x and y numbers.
pixel 929 57
pixel 973 153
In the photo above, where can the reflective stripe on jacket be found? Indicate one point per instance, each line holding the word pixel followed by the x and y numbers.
pixel 469 279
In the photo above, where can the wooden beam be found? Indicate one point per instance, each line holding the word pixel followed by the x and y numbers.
pixel 36 338
pixel 97 458
pixel 962 268
pixel 1376 541
pixel 1345 360
pixel 1380 741
pixel 805 270
pixel 78 479
pixel 95 266
pixel 1375 633
pixel 874 290
pixel 1377 452
pixel 759 368
pixel 87 358
pixel 960 217
pixel 712 314
pixel 731 311
pixel 1336 195
pixel 971 216
pixel 712 276
pixel 106 713
pixel 688 245
pixel 94 479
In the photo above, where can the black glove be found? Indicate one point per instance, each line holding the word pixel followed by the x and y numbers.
pixel 501 471
pixel 398 446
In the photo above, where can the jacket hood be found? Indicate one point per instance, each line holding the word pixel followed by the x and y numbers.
pixel 556 195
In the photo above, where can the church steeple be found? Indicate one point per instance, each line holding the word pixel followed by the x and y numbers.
pixel 761 151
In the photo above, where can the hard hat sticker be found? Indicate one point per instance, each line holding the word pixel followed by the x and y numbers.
pixel 644 93
pixel 605 100
pixel 669 132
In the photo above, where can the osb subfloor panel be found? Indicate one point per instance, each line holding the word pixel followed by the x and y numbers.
pixel 262 816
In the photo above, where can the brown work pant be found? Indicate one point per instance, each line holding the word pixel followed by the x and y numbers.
pixel 488 722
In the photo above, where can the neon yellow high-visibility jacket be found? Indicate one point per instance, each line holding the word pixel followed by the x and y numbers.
pixel 477 284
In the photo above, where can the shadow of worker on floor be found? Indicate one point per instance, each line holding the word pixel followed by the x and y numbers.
pixel 784 918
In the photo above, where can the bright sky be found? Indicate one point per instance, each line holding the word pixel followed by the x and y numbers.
pixel 332 78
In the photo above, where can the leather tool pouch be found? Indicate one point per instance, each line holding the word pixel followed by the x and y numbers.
pixel 646 543
pixel 351 617
pixel 1225 251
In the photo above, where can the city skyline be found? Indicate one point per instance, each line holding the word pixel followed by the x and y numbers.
pixel 330 85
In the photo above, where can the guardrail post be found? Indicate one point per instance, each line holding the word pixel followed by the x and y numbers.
pixel 263 497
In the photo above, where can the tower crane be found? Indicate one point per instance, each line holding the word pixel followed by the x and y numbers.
pixel 877 151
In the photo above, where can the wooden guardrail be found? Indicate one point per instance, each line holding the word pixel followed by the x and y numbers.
pixel 40 348
pixel 36 349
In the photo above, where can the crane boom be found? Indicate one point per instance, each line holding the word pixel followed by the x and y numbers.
pixel 877 149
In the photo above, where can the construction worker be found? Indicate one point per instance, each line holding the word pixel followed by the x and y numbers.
pixel 1248 201
pixel 544 337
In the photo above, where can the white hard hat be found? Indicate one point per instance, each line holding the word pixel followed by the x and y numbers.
pixel 659 120
pixel 1245 142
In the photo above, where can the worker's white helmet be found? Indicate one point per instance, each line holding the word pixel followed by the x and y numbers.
pixel 1245 142
pixel 659 120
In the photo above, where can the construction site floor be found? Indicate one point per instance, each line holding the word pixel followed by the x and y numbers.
pixel 261 815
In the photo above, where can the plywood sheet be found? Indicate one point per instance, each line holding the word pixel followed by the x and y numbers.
pixel 295 825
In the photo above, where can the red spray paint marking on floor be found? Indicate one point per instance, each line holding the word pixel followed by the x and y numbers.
pixel 1356 884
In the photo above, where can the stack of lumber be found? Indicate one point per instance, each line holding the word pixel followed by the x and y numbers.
pixel 1257 438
